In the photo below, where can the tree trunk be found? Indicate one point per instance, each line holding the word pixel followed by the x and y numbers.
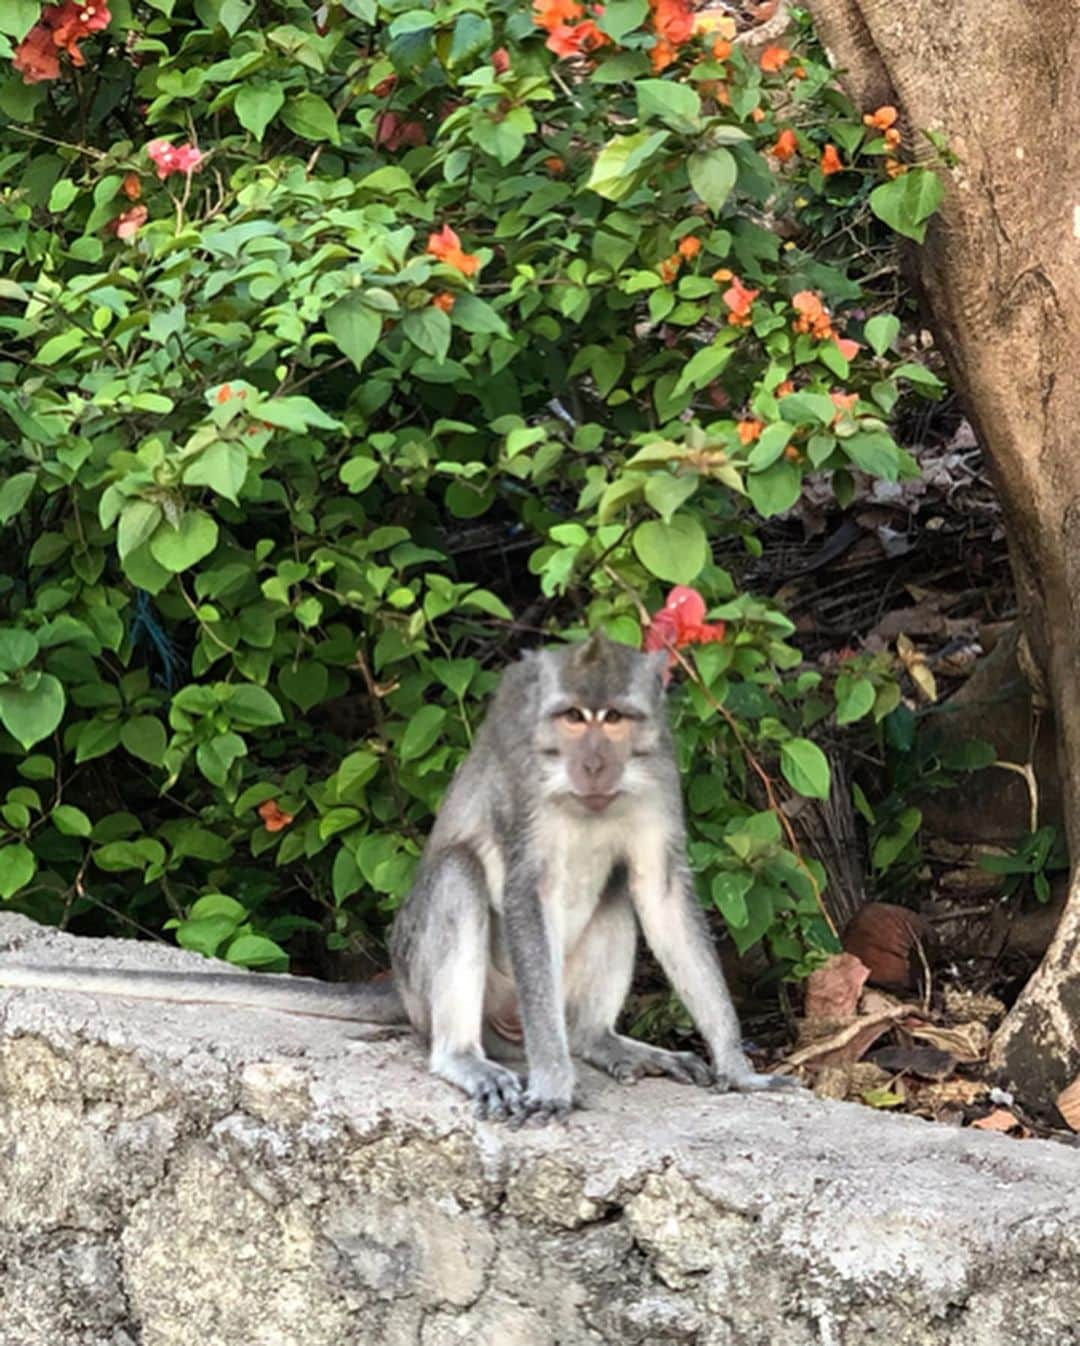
pixel 1000 273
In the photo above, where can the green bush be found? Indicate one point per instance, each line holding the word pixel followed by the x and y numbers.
pixel 346 350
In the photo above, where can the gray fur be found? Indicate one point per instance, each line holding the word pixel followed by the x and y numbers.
pixel 561 831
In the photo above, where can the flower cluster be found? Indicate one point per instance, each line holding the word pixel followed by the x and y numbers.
pixel 814 320
pixel 737 297
pixel 679 623
pixel 173 158
pixel 60 28
pixel 569 32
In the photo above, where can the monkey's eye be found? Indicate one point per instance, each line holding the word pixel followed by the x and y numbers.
pixel 613 716
pixel 573 716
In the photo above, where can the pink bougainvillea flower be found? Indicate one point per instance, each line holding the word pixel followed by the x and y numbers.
pixel 71 22
pixel 500 60
pixel 173 158
pixel 392 131
pixel 679 623
pixel 847 348
pixel 128 223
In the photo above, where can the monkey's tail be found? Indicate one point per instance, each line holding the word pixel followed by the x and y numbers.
pixel 374 1002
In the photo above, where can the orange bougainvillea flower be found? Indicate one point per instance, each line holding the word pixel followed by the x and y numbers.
pixel 893 168
pixel 847 348
pixel 723 276
pixel 689 247
pixel 739 300
pixel 555 165
pixel 843 402
pixel 552 14
pixel 669 268
pixel 721 49
pixel 786 146
pixel 673 20
pixel 500 60
pixel 784 388
pixel 446 247
pixel 757 114
pixel 892 138
pixel 576 39
pixel 748 431
pixel 882 118
pixel 274 818
pixel 661 55
pixel 813 316
pixel 444 300
pixel 831 161
pixel 131 186
pixel 679 623
pixel 773 59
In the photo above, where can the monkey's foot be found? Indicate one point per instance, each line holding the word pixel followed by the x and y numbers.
pixel 628 1061
pixel 741 1079
pixel 496 1091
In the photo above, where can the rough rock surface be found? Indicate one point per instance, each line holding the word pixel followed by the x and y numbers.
pixel 176 1175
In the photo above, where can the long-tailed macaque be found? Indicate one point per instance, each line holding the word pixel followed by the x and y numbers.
pixel 561 832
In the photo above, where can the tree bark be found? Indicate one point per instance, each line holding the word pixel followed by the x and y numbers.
pixel 1000 273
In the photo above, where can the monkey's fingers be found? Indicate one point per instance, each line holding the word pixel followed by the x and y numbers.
pixel 750 1082
pixel 498 1096
pixel 538 1111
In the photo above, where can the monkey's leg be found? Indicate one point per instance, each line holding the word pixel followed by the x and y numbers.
pixel 675 927
pixel 598 975
pixel 441 953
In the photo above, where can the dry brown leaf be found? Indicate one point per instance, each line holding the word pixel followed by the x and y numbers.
pixel 964 1004
pixel 848 1080
pixel 929 1063
pixel 826 1045
pixel 967 1042
pixel 833 990
pixel 1001 1119
pixel 1068 1104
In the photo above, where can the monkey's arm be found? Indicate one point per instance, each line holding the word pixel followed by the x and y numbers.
pixel 537 968
pixel 675 928
pixel 368 1002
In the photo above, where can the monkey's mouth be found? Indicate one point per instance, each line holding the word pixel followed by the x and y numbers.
pixel 597 803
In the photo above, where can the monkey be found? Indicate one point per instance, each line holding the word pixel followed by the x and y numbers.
pixel 561 833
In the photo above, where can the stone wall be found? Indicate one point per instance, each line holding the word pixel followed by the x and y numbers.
pixel 180 1176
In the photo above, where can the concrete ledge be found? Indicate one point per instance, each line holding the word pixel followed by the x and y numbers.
pixel 182 1175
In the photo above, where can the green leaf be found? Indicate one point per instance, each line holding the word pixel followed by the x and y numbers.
pixel 306 684
pixel 257 951
pixel 312 118
pixel 769 446
pixel 774 490
pixel 676 105
pixel 206 936
pixel 472 34
pixel 70 821
pixel 57 347
pixel 881 331
pixel 218 904
pixel 216 757
pixel 138 523
pixel 354 327
pixel 257 104
pixel 623 16
pixel 144 737
pixel 178 549
pixel 254 706
pixel 907 202
pixel 17 868
pixel 854 698
pixel 17 648
pixel 675 550
pixel 729 889
pixel 476 315
pixel 32 709
pixel 614 174
pixel 805 768
pixel 428 329
pixel 889 845
pixel 421 732
pixel 14 494
pixel 358 473
pixel 97 738
pixel 873 451
pixel 222 466
pixel 704 365
pixel 17 17
pixel 712 176
pixel 665 493
pixel 63 193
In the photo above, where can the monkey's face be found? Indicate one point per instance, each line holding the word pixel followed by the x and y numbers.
pixel 601 719
pixel 593 747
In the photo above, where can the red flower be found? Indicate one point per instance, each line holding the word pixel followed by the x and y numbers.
pixel 275 819
pixel 71 22
pixel 680 622
pixel 36 57
pixel 786 146
pixel 576 39
pixel 673 20
pixel 128 223
pixel 500 60
pixel 393 131
pixel 831 161
pixel 446 247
